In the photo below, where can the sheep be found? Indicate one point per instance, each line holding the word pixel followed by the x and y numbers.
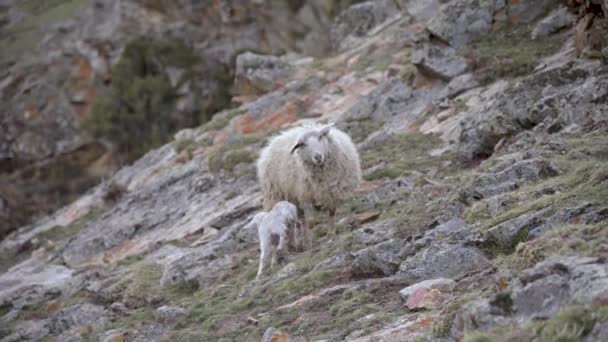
pixel 315 167
pixel 282 222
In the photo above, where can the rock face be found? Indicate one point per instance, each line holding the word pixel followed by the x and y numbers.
pixel 481 216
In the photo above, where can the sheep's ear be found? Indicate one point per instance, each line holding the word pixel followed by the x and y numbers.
pixel 297 146
pixel 325 130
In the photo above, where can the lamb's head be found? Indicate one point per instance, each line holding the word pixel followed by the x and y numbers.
pixel 312 147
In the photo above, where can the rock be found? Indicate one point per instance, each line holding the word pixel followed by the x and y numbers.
pixel 542 291
pixel 78 315
pixel 526 11
pixel 32 282
pixel 359 19
pixel 599 333
pixel 527 103
pixel 461 21
pixel 421 10
pixel 509 176
pixel 382 259
pixel 443 260
pixel 455 229
pixel 31 330
pixel 257 74
pixel 375 233
pixel 555 21
pixel 274 335
pixel 112 336
pixel 439 62
pixel 427 294
pixel 505 236
pixel 459 85
pixel 170 313
pixel 441 284
pixel 340 261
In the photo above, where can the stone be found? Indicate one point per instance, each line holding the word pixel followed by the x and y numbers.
pixel 440 62
pixel 112 336
pixel 273 335
pixel 359 19
pixel 555 21
pixel 421 10
pixel 375 233
pixel 78 315
pixel 505 236
pixel 458 22
pixel 598 333
pixel 443 260
pixel 509 176
pixel 459 85
pixel 168 313
pixel 382 259
pixel 257 74
pixel 428 294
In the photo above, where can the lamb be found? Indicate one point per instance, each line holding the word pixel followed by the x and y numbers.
pixel 315 167
pixel 282 222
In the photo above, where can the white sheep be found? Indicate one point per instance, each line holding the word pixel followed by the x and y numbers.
pixel 314 166
pixel 282 222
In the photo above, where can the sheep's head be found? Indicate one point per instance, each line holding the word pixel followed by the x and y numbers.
pixel 312 146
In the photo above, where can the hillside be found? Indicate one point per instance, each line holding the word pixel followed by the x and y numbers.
pixel 482 129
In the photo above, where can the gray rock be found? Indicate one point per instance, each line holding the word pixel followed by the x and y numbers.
pixel 32 330
pixel 339 261
pixel 440 62
pixel 441 284
pixel 78 315
pixel 526 11
pixel 558 93
pixel 258 74
pixel 505 236
pixel 421 10
pixel 32 282
pixel 460 21
pixel 113 335
pixel 454 229
pixel 459 85
pixel 443 261
pixel 558 19
pixel 375 232
pixel 170 313
pixel 359 19
pixel 541 292
pixel 508 176
pixel 599 333
pixel 382 259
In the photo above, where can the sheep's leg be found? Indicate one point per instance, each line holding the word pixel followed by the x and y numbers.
pixel 281 249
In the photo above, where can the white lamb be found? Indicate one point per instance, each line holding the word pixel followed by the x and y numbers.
pixel 315 167
pixel 282 222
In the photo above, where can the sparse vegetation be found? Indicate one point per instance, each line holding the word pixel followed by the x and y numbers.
pixel 509 52
pixel 401 155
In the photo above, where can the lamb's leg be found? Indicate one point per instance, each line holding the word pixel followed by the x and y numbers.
pixel 273 261
pixel 263 256
pixel 281 249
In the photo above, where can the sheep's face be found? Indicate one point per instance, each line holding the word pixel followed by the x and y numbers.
pixel 312 147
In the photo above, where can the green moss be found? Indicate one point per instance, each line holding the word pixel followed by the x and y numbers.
pixel 401 155
pixel 226 159
pixel 220 122
pixel 509 52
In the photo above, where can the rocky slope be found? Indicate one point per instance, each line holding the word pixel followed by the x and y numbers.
pixel 482 131
pixel 62 60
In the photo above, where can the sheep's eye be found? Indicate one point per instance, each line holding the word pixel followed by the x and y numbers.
pixel 298 145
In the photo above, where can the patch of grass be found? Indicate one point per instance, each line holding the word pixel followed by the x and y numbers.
pixel 443 324
pixel 580 182
pixel 402 154
pixel 221 121
pixel 509 52
pixel 351 306
pixel 359 130
pixel 227 156
pixel 59 233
